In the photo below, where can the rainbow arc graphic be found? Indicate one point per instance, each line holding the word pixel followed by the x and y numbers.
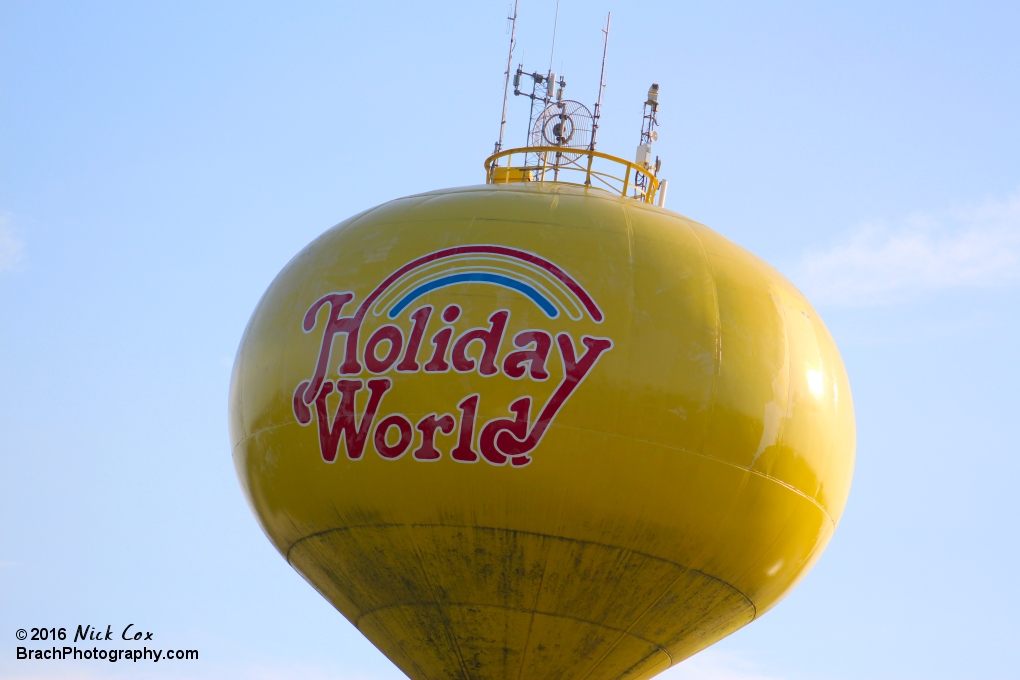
pixel 552 290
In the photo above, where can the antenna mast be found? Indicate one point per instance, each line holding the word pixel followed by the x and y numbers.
pixel 602 82
pixel 512 27
pixel 552 50
pixel 649 136
pixel 543 87
pixel 563 133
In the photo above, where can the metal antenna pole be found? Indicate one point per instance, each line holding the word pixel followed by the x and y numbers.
pixel 602 82
pixel 552 82
pixel 552 50
pixel 536 80
pixel 512 20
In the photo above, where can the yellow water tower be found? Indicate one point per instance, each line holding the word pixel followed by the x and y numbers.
pixel 541 427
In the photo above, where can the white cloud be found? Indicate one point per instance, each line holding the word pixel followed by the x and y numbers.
pixel 10 246
pixel 881 263
pixel 715 665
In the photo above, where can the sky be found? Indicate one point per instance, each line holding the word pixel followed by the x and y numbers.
pixel 160 162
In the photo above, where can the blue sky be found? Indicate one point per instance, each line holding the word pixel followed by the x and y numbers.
pixel 160 162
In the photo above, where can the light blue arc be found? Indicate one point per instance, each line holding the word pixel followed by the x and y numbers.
pixel 477 277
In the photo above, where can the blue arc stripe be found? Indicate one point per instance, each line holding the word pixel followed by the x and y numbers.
pixel 478 277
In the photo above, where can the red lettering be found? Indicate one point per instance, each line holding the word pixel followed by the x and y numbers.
pixel 301 410
pixel 468 412
pixel 451 313
pixel 535 358
pixel 335 324
pixel 437 364
pixel 506 441
pixel 428 426
pixel 344 421
pixel 409 364
pixel 390 334
pixel 500 432
pixel 490 337
pixel 406 433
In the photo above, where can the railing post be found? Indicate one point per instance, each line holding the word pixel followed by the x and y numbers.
pixel 539 171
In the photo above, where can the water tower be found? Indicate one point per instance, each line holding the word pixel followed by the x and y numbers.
pixel 542 427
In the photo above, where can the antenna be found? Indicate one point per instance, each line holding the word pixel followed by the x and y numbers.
pixel 648 136
pixel 552 50
pixel 563 133
pixel 512 28
pixel 602 82
pixel 649 119
pixel 545 89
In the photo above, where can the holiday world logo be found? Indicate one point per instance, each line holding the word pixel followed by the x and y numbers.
pixel 422 339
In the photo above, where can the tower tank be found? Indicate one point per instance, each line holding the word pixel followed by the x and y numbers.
pixel 541 427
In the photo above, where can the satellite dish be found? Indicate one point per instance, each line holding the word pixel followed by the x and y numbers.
pixel 566 123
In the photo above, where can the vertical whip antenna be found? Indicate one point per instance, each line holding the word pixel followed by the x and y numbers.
pixel 512 28
pixel 544 87
pixel 602 82
pixel 552 50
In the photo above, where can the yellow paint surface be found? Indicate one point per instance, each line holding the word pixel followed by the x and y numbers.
pixel 684 487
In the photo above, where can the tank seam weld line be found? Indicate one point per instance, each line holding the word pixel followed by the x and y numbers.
pixel 445 619
pixel 754 615
pixel 522 532
pixel 758 473
pixel 357 622
pixel 624 633
pixel 591 192
pixel 531 621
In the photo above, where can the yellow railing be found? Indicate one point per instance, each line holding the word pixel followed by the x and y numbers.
pixel 592 168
